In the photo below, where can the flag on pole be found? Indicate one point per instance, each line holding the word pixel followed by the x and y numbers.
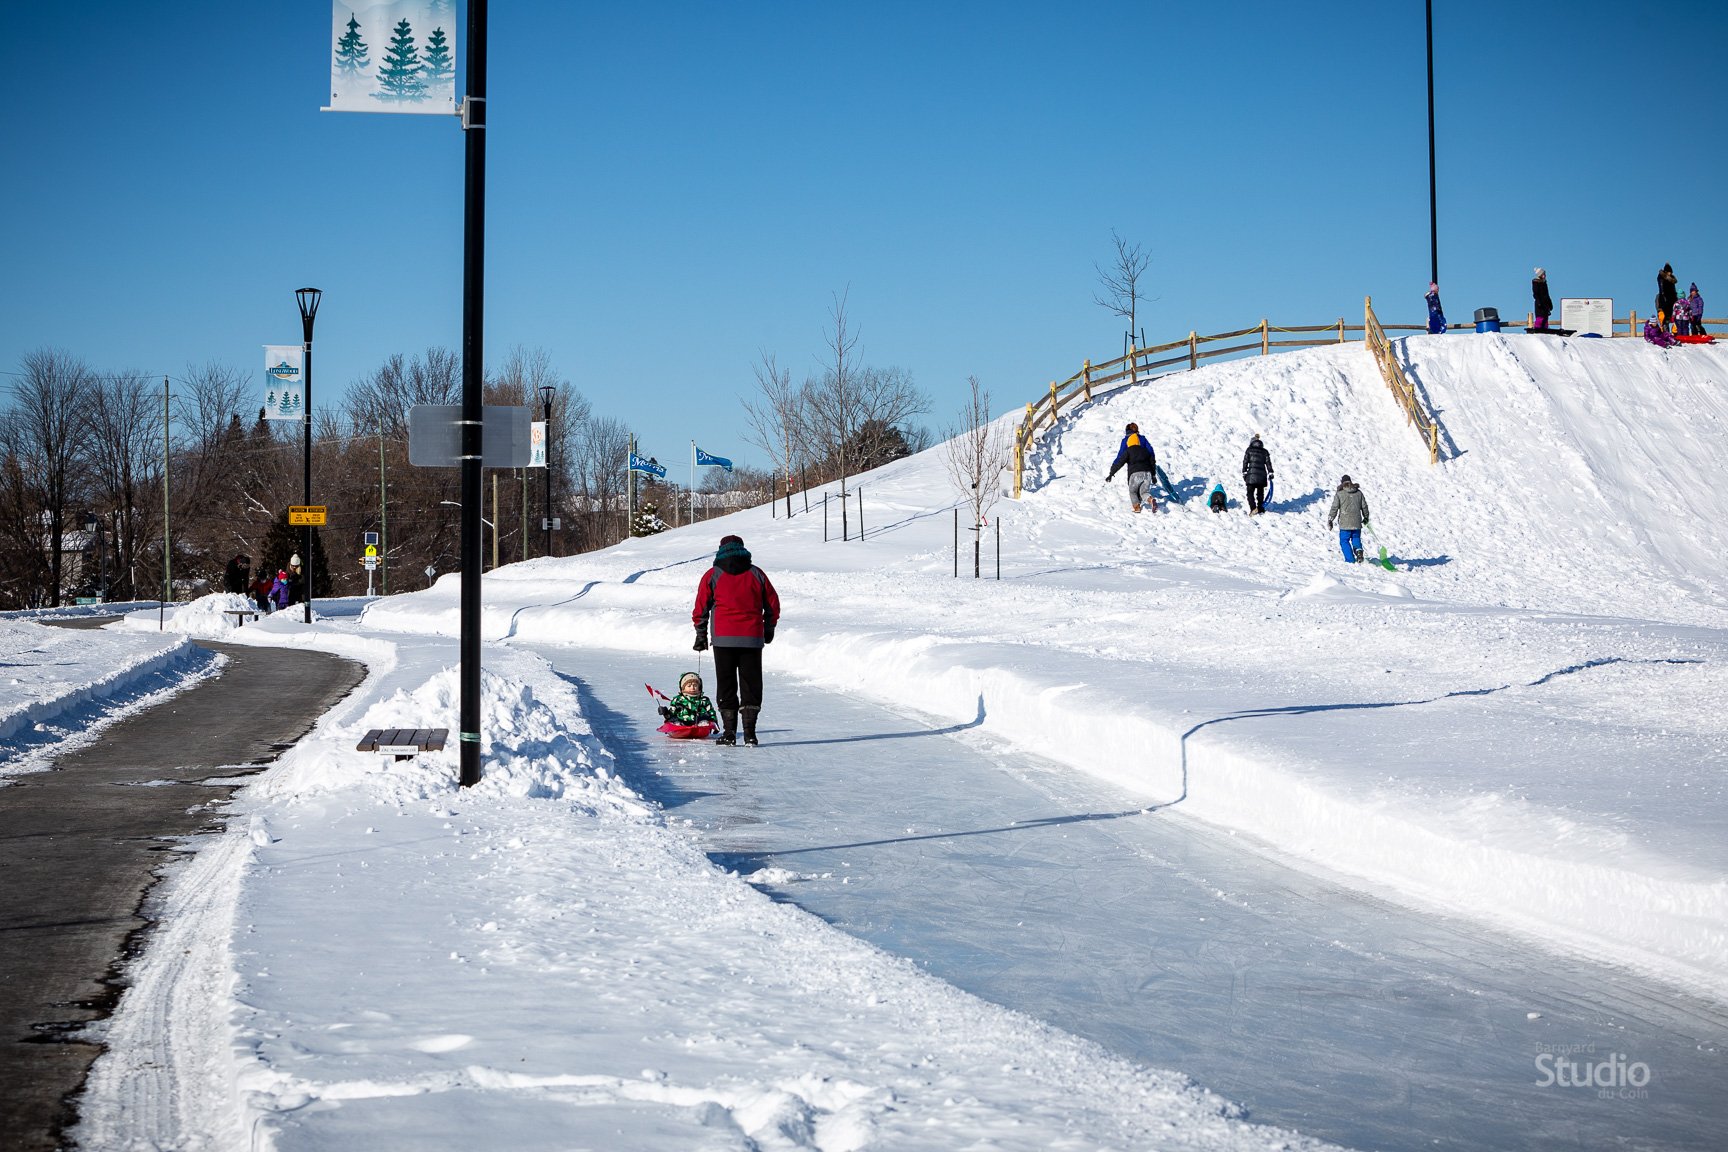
pixel 284 386
pixel 704 460
pixel 650 465
pixel 393 56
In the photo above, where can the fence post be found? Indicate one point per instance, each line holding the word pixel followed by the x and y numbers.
pixel 1055 408
pixel 1631 323
pixel 1340 329
pixel 1193 350
pixel 1086 372
pixel 1265 338
pixel 860 512
pixel 824 517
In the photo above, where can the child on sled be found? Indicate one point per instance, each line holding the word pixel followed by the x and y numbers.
pixel 690 707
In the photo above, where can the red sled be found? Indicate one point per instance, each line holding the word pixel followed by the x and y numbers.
pixel 1696 339
pixel 680 731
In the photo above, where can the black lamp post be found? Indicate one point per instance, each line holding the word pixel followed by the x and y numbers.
pixel 308 299
pixel 546 392
pixel 1433 211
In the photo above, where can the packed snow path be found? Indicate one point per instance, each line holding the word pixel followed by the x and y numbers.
pixel 1315 1006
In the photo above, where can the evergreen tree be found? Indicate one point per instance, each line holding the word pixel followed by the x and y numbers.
pixel 647 522
pixel 399 75
pixel 439 68
pixel 351 57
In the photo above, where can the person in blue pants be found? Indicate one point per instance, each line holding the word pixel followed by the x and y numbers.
pixel 1350 513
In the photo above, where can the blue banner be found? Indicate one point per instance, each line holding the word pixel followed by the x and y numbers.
pixel 650 466
pixel 704 460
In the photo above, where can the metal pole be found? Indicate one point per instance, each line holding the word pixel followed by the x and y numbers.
pixel 546 396
pixel 998 547
pixel 473 367
pixel 860 513
pixel 383 517
pixel 1433 211
pixel 308 301
pixel 167 536
pixel 824 517
pixel 956 541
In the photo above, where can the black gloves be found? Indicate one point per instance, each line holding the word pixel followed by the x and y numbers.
pixel 768 634
pixel 701 644
pixel 665 712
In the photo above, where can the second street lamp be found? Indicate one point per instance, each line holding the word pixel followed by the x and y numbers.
pixel 546 392
pixel 308 299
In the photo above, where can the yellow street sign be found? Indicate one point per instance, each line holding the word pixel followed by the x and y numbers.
pixel 306 515
pixel 371 549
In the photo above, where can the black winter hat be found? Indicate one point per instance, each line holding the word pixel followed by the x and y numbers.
pixel 1346 479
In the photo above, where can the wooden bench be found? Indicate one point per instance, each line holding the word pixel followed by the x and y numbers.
pixel 403 743
pixel 240 615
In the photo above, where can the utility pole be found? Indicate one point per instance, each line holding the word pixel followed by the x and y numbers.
pixel 473 361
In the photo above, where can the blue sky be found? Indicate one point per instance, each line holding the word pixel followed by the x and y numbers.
pixel 674 188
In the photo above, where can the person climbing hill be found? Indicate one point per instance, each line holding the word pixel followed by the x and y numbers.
pixel 1256 473
pixel 1350 513
pixel 1142 464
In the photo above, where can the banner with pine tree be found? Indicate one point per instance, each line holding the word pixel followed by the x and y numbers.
pixel 393 56
pixel 284 386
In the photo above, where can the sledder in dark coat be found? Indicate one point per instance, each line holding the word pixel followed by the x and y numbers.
pixel 1136 452
pixel 1256 473
pixel 1542 302
pixel 745 608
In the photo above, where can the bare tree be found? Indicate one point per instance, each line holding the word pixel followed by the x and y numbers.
pixel 44 434
pixel 975 453
pixel 124 460
pixel 597 472
pixel 1121 283
pixel 851 411
pixel 775 416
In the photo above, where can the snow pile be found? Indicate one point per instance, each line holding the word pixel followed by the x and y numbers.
pixel 54 681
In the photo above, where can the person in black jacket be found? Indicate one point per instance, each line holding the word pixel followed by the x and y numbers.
pixel 1256 474
pixel 1544 303
pixel 1142 464
pixel 1667 295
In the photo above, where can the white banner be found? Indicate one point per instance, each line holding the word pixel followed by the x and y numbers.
pixel 537 444
pixel 393 56
pixel 284 386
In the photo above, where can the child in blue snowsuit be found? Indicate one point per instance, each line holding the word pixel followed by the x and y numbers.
pixel 1436 315
pixel 1218 501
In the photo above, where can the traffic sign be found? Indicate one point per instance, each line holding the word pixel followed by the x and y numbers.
pixel 369 562
pixel 371 551
pixel 307 515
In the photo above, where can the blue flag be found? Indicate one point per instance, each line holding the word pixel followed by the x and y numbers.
pixel 703 459
pixel 650 466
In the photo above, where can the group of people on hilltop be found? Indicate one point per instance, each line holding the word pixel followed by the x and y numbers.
pixel 1676 315
pixel 1349 507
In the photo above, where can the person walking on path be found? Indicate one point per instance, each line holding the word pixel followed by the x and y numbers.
pixel 744 608
pixel 1350 513
pixel 1142 464
pixel 1667 295
pixel 1543 302
pixel 1256 474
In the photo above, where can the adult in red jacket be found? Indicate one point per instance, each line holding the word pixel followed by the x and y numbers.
pixel 744 608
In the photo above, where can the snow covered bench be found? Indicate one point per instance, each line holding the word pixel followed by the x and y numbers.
pixel 403 743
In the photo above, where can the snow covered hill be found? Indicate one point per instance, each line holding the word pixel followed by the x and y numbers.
pixel 1578 475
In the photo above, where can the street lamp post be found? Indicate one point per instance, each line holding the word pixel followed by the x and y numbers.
pixel 546 392
pixel 1433 210
pixel 308 299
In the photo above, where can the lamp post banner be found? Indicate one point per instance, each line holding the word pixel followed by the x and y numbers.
pixel 284 382
pixel 537 444
pixel 393 56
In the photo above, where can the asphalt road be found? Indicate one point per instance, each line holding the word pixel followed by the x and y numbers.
pixel 81 846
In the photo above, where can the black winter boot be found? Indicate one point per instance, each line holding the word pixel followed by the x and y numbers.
pixel 728 726
pixel 750 726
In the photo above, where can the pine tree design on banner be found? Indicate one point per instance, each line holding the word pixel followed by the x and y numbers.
pixel 400 74
pixel 351 57
pixel 439 68
pixel 289 405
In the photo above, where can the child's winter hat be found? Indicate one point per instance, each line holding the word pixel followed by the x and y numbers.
pixel 1133 427
pixel 1541 275
pixel 1346 479
pixel 688 678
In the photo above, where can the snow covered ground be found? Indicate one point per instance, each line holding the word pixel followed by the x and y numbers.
pixel 1520 726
